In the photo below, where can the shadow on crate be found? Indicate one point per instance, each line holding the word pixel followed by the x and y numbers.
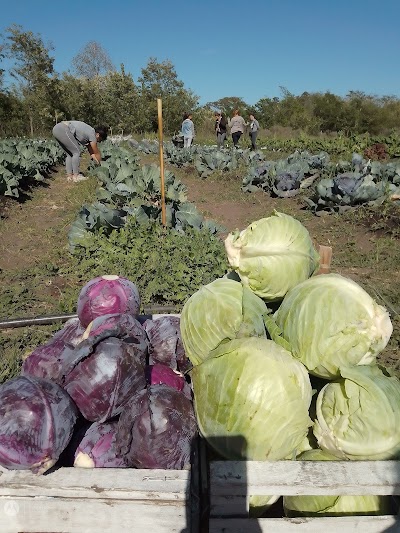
pixel 213 503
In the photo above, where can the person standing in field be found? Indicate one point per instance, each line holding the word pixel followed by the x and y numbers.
pixel 187 130
pixel 220 128
pixel 237 126
pixel 73 136
pixel 254 126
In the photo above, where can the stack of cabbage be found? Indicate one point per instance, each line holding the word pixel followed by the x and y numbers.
pixel 110 395
pixel 252 367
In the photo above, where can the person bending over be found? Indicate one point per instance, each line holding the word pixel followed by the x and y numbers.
pixel 73 135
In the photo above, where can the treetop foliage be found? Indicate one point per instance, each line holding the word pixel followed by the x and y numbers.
pixel 95 91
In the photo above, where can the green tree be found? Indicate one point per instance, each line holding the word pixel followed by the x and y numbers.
pixel 160 80
pixel 92 61
pixel 267 111
pixel 228 104
pixel 120 103
pixel 362 113
pixel 330 110
pixel 34 74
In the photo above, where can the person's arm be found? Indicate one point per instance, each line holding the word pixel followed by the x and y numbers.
pixel 193 130
pixel 94 151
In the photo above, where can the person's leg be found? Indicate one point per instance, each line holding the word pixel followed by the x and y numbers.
pixel 253 140
pixel 235 138
pixel 185 142
pixel 189 141
pixel 70 145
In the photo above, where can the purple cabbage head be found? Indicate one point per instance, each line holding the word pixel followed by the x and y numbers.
pixel 37 419
pixel 156 429
pixel 164 375
pixel 106 295
pixel 98 447
pixel 123 326
pixel 45 361
pixel 166 345
pixel 101 375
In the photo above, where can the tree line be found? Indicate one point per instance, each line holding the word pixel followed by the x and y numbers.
pixel 97 92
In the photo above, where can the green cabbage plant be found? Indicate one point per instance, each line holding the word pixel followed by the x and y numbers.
pixel 358 416
pixel 334 505
pixel 329 321
pixel 220 311
pixel 252 399
pixel 272 255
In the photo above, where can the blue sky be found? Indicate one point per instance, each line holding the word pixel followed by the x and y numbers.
pixel 231 48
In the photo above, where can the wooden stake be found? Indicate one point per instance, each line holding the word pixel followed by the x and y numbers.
pixel 160 140
pixel 325 254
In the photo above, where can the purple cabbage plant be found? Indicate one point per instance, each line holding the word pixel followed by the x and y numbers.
pixel 106 295
pixel 46 360
pixel 156 429
pixel 98 448
pixel 164 375
pixel 102 373
pixel 166 345
pixel 37 419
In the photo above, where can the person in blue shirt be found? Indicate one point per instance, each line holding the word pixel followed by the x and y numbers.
pixel 187 130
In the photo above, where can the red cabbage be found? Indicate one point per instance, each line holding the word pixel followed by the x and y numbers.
pixel 102 375
pixel 122 326
pixel 164 375
pixel 98 447
pixel 106 295
pixel 166 343
pixel 37 419
pixel 45 361
pixel 156 429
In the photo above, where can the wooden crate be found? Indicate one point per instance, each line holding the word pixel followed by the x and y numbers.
pixel 79 500
pixel 109 500
pixel 231 483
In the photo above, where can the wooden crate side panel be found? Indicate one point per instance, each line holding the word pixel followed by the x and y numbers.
pixel 358 524
pixel 239 478
pixel 97 483
pixel 70 515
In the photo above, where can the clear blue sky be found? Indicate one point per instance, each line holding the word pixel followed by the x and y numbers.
pixel 231 48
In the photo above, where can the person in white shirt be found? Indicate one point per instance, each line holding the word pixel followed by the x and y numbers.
pixel 254 126
pixel 187 130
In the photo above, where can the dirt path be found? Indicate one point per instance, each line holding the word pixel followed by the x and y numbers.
pixel 29 229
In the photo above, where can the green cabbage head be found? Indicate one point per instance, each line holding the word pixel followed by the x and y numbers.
pixel 252 399
pixel 329 321
pixel 358 416
pixel 334 505
pixel 272 255
pixel 220 311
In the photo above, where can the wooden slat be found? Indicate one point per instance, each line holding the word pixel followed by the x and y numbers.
pixel 95 483
pixel 236 478
pixel 70 515
pixel 351 524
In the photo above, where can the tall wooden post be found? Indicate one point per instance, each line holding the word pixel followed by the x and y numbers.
pixel 160 140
